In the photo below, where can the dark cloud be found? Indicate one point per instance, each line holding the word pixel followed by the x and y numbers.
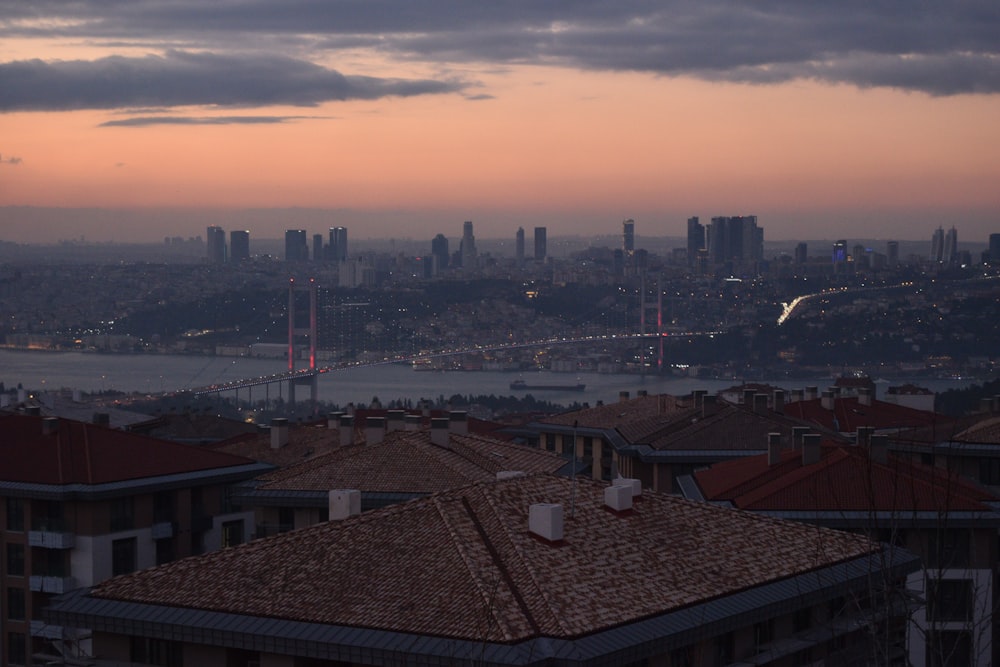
pixel 145 121
pixel 941 48
pixel 181 78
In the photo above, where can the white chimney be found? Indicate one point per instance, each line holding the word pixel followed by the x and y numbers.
pixel 827 400
pixel 374 430
pixel 439 431
pixel 779 400
pixel 797 395
pixel 748 395
pixel 797 433
pixel 810 448
pixel 773 448
pixel 618 498
pixel 510 474
pixel 546 521
pixel 698 395
pixel 623 396
pixel 458 422
pixel 634 485
pixel 346 434
pixel 812 393
pixel 50 425
pixel 279 432
pixel 333 420
pixel 878 448
pixel 760 404
pixel 864 396
pixel 344 503
pixel 412 422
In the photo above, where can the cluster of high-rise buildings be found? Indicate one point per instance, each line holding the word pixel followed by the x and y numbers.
pixel 733 240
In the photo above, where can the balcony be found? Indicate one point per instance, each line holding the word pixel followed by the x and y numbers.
pixel 54 585
pixel 51 538
pixel 46 631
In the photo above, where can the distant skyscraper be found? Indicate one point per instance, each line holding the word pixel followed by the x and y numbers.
pixel 216 242
pixel 318 249
pixel 695 240
pixel 995 248
pixel 801 253
pixel 519 246
pixel 892 254
pixel 839 252
pixel 296 245
pixel 541 249
pixel 735 239
pixel 239 245
pixel 950 252
pixel 628 237
pixel 468 247
pixel 439 250
pixel 937 245
pixel 337 249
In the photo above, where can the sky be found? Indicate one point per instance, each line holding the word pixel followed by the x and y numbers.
pixel 131 120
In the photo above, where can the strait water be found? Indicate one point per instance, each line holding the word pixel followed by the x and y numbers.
pixel 90 372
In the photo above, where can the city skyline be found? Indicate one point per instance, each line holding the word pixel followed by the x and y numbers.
pixel 398 119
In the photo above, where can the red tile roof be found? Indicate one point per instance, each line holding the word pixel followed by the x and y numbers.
pixel 845 480
pixel 462 564
pixel 81 453
pixel 848 414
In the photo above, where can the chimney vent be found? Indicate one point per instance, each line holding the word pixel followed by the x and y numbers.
pixel 642 393
pixel 797 395
pixel 344 503
pixel 33 410
pixel 699 396
pixel 773 448
pixel 760 403
pixel 50 425
pixel 864 436
pixel 458 422
pixel 634 485
pixel 797 433
pixel 412 422
pixel 439 431
pixel 812 393
pixel 618 498
pixel 748 395
pixel 779 401
pixel 546 521
pixel 102 419
pixel 707 404
pixel 810 448
pixel 333 420
pixel 878 448
pixel 623 396
pixel 865 396
pixel 827 400
pixel 279 432
pixel 346 430
pixel 374 430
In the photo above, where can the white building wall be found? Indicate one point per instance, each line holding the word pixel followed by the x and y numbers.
pixel 980 628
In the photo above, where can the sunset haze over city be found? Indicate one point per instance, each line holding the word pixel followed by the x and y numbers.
pixel 402 119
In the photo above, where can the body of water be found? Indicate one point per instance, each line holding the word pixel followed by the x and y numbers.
pixel 153 374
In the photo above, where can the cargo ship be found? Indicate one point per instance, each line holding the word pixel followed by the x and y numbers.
pixel 521 385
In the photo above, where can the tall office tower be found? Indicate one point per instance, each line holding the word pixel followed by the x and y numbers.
pixel 892 254
pixel 519 246
pixel 239 245
pixel 839 252
pixel 695 240
pixel 439 250
pixel 318 249
pixel 994 248
pixel 859 256
pixel 937 245
pixel 801 253
pixel 296 245
pixel 468 246
pixel 950 246
pixel 628 237
pixel 216 242
pixel 338 244
pixel 541 250
pixel 736 239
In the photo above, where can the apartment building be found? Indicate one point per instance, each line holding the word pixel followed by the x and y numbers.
pixel 81 503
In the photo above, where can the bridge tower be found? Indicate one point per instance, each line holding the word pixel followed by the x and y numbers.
pixel 311 378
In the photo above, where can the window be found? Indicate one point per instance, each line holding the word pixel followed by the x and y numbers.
pixel 989 471
pixel 15 560
pixel 802 620
pixel 47 516
pixel 550 442
pixel 588 449
pixel 123 556
pixel 163 507
pixel 17 648
pixel 15 604
pixel 949 599
pixel 122 514
pixel 286 519
pixel 949 547
pixel 682 657
pixel 15 514
pixel 232 533
pixel 164 550
pixel 725 649
pixel 51 563
pixel 155 652
pixel 763 633
pixel 949 649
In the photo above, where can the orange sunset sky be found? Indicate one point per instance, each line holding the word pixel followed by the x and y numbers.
pixel 404 119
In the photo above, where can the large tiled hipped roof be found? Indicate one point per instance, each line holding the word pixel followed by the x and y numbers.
pixel 462 564
pixel 408 462
pixel 845 479
pixel 75 452
pixel 850 413
pixel 614 415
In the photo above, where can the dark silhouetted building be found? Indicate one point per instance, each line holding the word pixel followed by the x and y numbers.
pixel 541 251
pixel 439 251
pixel 216 242
pixel 337 250
pixel 239 245
pixel 519 246
pixel 467 249
pixel 801 253
pixel 695 239
pixel 892 254
pixel 318 249
pixel 628 237
pixel 735 239
pixel 296 245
